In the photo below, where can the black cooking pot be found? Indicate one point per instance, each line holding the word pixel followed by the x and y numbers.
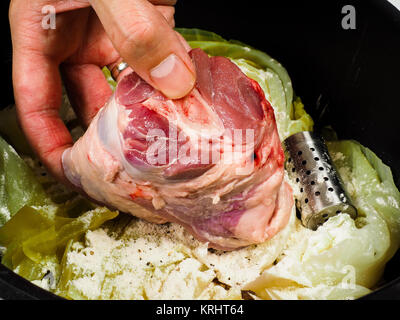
pixel 347 78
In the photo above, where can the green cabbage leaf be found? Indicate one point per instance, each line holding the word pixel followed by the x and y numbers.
pixel 344 258
pixel 39 226
pixel 34 230
pixel 18 184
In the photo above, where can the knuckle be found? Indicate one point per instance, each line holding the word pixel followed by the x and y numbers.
pixel 167 12
pixel 169 16
pixel 171 22
pixel 140 38
pixel 164 2
pixel 12 10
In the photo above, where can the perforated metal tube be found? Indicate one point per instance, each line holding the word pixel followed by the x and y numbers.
pixel 322 194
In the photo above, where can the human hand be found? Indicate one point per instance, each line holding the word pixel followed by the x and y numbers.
pixel 85 40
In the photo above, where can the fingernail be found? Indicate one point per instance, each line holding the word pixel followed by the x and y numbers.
pixel 172 77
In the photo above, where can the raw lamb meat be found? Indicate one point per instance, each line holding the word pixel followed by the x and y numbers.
pixel 211 161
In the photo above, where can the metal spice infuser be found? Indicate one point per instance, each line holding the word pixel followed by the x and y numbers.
pixel 322 193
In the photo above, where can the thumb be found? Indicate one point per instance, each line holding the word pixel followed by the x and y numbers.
pixel 145 40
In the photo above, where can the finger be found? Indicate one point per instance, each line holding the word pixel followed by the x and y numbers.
pixel 87 89
pixel 148 44
pixel 168 13
pixel 115 73
pixel 183 41
pixel 163 2
pixel 37 91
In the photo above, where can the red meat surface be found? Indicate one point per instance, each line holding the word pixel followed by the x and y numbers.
pixel 211 161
